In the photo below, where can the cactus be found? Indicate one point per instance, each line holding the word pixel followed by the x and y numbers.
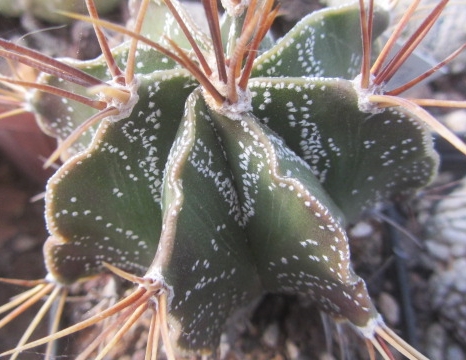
pixel 213 169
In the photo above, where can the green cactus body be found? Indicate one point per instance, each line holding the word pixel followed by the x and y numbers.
pixel 203 253
pixel 377 155
pixel 270 176
pixel 221 202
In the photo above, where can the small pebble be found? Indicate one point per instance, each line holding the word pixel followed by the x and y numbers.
pixel 271 334
pixel 326 356
pixel 292 350
pixel 389 308
pixel 456 121
pixel 435 342
pixel 454 352
pixel 453 235
pixel 224 346
pixel 362 229
pixel 24 243
pixel 438 250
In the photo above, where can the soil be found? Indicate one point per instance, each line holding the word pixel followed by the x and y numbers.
pixel 22 233
pixel 395 268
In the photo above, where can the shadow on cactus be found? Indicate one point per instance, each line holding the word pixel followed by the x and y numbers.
pixel 209 170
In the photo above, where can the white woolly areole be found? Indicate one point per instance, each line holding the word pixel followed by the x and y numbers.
pixel 154 274
pixel 368 331
pixel 232 111
pixel 233 8
pixel 124 109
pixel 50 278
pixel 364 104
